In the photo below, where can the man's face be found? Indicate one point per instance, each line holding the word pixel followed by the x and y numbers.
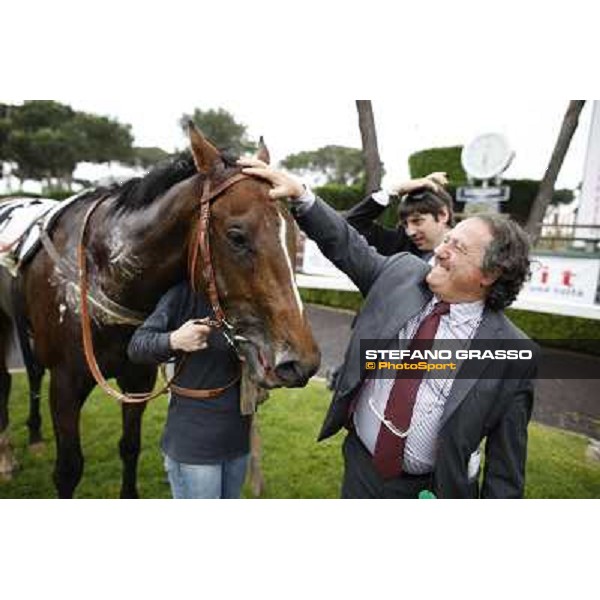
pixel 457 275
pixel 425 230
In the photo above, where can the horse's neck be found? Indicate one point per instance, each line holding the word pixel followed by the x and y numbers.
pixel 147 248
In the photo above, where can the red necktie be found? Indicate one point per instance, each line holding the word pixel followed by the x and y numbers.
pixel 389 448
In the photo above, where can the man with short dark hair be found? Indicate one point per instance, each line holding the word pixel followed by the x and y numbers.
pixel 407 435
pixel 425 214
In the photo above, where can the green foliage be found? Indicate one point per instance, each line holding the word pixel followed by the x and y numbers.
pixel 294 464
pixel 101 139
pixel 337 164
pixel 40 114
pixel 438 159
pixel 221 128
pixel 341 197
pixel 47 139
pixel 148 156
pixel 334 298
pixel 570 333
pixel 4 132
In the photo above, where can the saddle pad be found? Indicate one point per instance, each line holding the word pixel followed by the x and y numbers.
pixel 17 217
pixel 32 242
pixel 43 215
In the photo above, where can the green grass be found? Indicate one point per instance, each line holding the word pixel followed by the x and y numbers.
pixel 294 465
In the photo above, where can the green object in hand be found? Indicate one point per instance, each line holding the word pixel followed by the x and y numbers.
pixel 427 495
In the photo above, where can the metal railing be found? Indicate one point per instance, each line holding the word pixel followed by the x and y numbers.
pixel 570 237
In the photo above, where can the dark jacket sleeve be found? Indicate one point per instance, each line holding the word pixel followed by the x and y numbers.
pixel 150 343
pixel 386 241
pixel 506 447
pixel 342 244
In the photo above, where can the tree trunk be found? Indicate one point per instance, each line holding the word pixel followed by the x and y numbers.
pixel 544 196
pixel 373 164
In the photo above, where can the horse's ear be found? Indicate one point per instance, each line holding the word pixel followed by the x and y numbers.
pixel 204 153
pixel 263 152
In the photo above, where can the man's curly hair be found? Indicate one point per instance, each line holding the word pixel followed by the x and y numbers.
pixel 507 256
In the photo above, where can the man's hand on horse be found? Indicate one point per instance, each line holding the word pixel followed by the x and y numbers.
pixel 191 336
pixel 283 185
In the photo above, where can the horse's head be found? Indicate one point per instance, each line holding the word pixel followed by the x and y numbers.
pixel 253 250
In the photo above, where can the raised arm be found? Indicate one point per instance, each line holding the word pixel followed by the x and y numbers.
pixel 338 241
pixel 363 216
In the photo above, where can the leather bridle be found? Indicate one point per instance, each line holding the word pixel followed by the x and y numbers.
pixel 199 244
pixel 202 246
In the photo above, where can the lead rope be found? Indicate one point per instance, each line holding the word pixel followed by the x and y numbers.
pixel 86 328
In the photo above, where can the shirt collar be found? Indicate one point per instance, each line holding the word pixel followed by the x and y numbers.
pixel 464 312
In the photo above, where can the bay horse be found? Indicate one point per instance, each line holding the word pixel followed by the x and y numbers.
pixel 138 245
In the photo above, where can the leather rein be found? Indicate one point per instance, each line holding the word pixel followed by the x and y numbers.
pixel 199 244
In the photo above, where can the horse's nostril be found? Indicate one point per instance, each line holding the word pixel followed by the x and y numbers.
pixel 291 371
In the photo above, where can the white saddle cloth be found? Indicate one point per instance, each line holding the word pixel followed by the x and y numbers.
pixel 25 218
pixel 16 219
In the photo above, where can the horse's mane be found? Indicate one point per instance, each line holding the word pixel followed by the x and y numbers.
pixel 139 192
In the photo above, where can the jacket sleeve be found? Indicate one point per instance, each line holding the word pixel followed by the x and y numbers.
pixel 150 343
pixel 506 447
pixel 386 241
pixel 342 244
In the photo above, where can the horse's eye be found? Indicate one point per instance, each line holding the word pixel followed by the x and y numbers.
pixel 237 238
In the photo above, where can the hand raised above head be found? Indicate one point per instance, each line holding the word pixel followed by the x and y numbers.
pixel 434 182
pixel 439 179
pixel 283 185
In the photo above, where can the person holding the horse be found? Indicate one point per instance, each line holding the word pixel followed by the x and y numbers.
pixel 404 438
pixel 206 440
pixel 425 216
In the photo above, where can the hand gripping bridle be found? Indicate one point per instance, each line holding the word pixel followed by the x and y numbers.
pixel 199 242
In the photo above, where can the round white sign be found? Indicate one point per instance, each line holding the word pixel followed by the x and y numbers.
pixel 487 156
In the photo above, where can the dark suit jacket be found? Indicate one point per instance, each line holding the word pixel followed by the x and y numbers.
pixel 497 407
pixel 386 241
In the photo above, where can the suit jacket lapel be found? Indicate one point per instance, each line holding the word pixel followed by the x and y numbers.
pixel 489 328
pixel 409 306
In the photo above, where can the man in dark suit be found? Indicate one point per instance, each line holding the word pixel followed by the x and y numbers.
pixel 478 271
pixel 425 215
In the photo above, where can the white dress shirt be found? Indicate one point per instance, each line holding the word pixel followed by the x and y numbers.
pixel 419 453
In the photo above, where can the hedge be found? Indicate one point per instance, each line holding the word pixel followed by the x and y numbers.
pixel 432 160
pixel 341 197
pixel 569 333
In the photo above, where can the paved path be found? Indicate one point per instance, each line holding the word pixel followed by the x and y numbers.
pixel 572 404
